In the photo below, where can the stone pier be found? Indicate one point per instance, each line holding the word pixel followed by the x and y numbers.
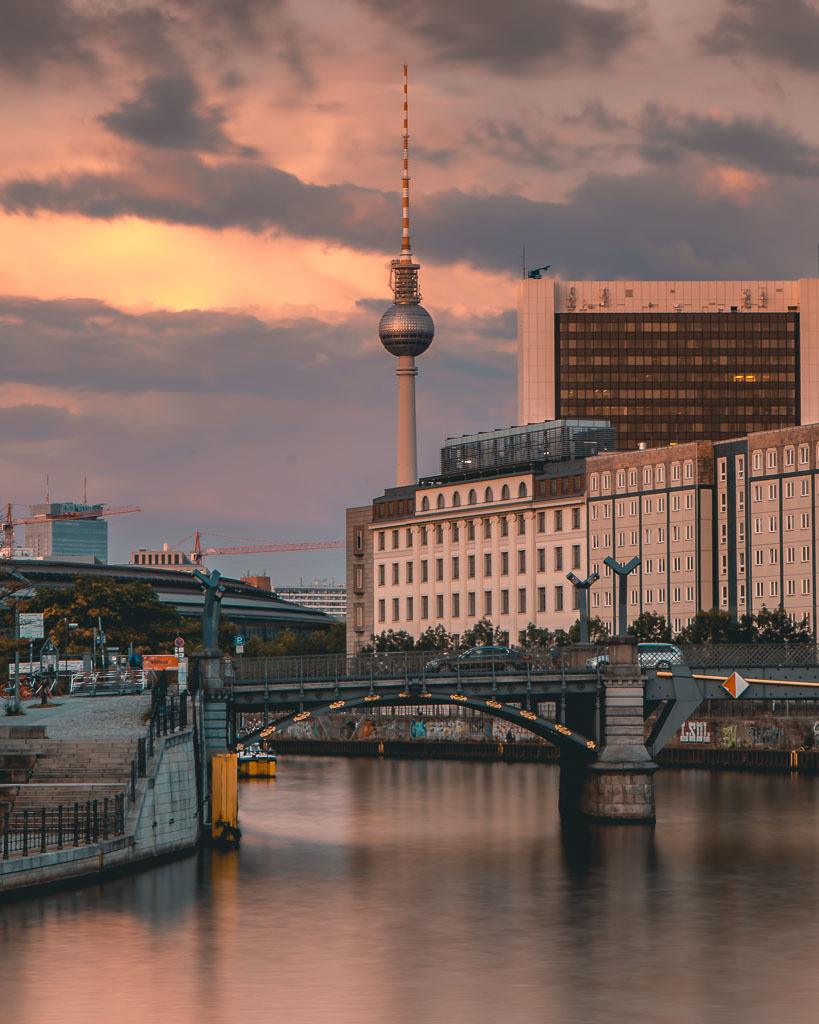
pixel 619 786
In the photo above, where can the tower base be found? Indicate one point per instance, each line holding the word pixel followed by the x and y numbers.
pixel 622 793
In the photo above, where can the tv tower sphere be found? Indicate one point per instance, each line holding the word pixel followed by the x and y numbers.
pixel 406 329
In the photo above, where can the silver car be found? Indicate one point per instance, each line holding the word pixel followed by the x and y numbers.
pixel 649 655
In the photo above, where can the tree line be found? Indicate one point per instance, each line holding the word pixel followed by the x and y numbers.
pixel 714 626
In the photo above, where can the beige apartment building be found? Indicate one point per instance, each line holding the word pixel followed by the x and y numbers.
pixel 730 524
pixel 492 536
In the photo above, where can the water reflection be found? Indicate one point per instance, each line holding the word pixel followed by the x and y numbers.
pixel 405 892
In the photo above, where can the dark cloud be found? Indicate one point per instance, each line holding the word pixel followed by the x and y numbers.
pixel 511 140
pixel 169 113
pixel 595 114
pixel 780 30
pixel 514 36
pixel 647 224
pixel 37 33
pixel 33 424
pixel 752 143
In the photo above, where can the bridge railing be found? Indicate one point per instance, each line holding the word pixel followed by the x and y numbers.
pixel 732 656
pixel 409 665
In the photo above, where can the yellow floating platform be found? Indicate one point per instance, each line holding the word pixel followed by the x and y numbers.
pixel 257 769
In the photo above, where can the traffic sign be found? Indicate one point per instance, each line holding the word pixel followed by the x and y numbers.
pixel 30 626
pixel 735 685
pixel 179 642
pixel 238 640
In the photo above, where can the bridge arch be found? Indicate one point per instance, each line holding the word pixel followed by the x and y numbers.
pixel 562 737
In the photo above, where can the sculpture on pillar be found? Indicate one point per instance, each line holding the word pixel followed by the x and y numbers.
pixel 212 611
pixel 623 572
pixel 582 588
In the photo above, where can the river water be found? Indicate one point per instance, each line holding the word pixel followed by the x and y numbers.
pixel 407 892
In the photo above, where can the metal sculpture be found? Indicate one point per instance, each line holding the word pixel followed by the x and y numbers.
pixel 582 590
pixel 623 572
pixel 212 610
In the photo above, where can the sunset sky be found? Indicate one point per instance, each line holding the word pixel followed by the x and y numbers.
pixel 199 200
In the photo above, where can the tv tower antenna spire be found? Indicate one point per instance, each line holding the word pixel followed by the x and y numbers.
pixel 406 329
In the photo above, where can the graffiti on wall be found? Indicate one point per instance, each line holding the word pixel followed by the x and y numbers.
pixel 695 732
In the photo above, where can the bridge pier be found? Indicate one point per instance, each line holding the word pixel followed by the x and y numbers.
pixel 619 786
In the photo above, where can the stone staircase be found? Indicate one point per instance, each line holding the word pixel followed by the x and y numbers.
pixel 36 772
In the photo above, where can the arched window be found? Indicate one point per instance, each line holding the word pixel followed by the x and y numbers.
pixel 473 497
pixel 456 499
pixel 505 492
pixel 522 491
pixel 440 501
pixel 425 503
pixel 488 495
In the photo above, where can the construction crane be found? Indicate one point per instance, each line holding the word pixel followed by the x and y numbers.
pixel 99 511
pixel 199 553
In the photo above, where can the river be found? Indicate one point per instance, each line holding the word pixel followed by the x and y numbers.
pixel 408 892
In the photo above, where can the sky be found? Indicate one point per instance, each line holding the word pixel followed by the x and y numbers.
pixel 199 200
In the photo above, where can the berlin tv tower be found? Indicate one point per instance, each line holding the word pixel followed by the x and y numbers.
pixel 406 330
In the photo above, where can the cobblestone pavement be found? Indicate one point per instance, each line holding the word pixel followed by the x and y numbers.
pixel 101 718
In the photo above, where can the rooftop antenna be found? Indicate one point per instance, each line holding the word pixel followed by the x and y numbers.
pixel 406 247
pixel 523 264
pixel 47 491
pixel 85 490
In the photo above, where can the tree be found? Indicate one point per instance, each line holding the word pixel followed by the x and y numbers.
pixel 776 626
pixel 434 638
pixel 650 626
pixel 483 634
pixel 714 627
pixel 390 640
pixel 598 632
pixel 536 638
pixel 316 641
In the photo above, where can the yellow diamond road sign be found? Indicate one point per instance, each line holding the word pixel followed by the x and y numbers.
pixel 735 685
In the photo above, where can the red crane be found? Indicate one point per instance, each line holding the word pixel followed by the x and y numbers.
pixel 199 553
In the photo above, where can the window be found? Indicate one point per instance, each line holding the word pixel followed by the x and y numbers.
pixel 632 478
pixel 541 521
pixel 541 557
pixel 439 569
pixel 382 610
pixel 504 602
pixel 773 491
pixel 689 470
pixel 740 467
pixel 521 525
pixel 409 537
pixel 382 579
pixel 439 534
pixel 593 482
pixel 395 578
pixel 382 540
pixel 487 529
pixel 487 565
pixel 790 456
pixel 409 572
pixel 575 518
pixel 488 495
pixel 647 476
pixel 803 455
pixel 396 609
pixel 504 526
pixel 409 608
pixel 424 537
pixel 456 567
pixel 425 503
pixel 424 606
pixel 424 571
pixel 522 600
pixel 522 490
pixel 575 556
pixel 456 499
pixel 675 471
pixel 470 530
pixel 440 501
pixel 473 496
pixel 456 531
pixel 439 606
pixel 505 492
pixel 558 559
pixel 621 479
pixel 757 460
pixel 558 520
pixel 456 605
pixel 805 487
pixel 722 468
pixel 504 563
pixel 487 602
pixel 522 560
pixel 470 566
pixel 359 539
pixel 606 480
pixel 772 458
pixel 804 520
pixel 470 603
pixel 559 598
pixel 358 579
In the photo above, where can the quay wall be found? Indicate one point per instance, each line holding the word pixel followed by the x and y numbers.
pixel 162 823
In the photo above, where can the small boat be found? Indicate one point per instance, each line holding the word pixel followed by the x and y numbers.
pixel 254 762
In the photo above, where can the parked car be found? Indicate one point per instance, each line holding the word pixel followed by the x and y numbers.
pixel 478 660
pixel 653 655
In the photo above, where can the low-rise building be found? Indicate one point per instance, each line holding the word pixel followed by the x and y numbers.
pixel 493 535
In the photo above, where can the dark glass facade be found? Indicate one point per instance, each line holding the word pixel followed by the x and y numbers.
pixel 675 377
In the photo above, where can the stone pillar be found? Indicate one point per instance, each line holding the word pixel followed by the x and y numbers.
pixel 619 786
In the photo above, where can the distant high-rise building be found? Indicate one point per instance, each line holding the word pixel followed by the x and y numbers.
pixel 322 596
pixel 81 539
pixel 668 362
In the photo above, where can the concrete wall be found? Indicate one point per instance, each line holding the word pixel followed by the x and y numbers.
pixel 161 823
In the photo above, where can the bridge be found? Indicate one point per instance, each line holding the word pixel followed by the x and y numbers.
pixel 602 698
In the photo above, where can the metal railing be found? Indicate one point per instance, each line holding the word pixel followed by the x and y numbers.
pixel 119 682
pixel 67 825
pixel 730 656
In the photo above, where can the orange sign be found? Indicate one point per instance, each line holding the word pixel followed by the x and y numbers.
pixel 735 685
pixel 160 662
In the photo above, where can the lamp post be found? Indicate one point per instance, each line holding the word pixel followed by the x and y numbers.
pixel 582 588
pixel 49 662
pixel 622 571
pixel 15 707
